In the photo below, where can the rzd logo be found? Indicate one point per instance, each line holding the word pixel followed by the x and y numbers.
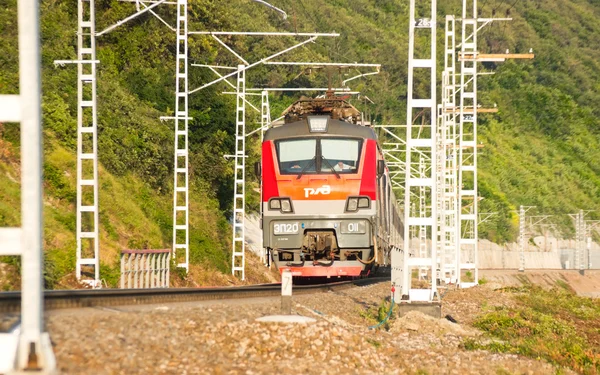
pixel 325 190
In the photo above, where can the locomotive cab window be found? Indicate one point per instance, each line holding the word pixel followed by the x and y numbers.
pixel 340 154
pixel 297 155
pixel 319 155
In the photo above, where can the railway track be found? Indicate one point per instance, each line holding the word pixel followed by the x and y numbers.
pixel 10 302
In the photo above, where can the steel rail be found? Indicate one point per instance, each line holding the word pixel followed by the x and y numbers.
pixel 10 302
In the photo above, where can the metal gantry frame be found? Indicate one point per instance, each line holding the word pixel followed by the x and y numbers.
pixel 467 148
pixel 87 214
pixel 238 254
pixel 87 207
pixel 447 159
pixel 527 223
pixel 590 226
pixel 580 239
pixel 88 248
pixel 181 194
pixel 27 347
pixel 522 222
pixel 420 148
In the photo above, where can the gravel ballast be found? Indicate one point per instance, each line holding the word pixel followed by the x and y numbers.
pixel 224 337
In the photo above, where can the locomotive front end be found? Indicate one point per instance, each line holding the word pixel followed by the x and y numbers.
pixel 319 197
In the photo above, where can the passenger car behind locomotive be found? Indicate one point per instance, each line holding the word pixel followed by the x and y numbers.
pixel 328 205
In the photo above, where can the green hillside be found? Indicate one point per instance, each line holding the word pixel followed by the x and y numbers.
pixel 541 149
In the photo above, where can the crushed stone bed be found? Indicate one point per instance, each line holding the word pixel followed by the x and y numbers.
pixel 223 337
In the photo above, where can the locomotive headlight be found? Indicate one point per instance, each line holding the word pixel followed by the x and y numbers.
pixel 352 204
pixel 282 204
pixel 317 124
pixel 364 202
pixel 275 204
pixel 286 205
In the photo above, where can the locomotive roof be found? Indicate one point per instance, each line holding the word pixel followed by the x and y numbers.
pixel 334 127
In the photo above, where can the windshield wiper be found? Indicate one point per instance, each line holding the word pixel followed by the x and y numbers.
pixel 312 161
pixel 330 167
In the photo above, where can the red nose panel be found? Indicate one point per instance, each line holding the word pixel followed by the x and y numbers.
pixel 368 184
pixel 268 172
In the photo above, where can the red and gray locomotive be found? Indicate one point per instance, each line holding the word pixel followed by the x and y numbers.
pixel 328 205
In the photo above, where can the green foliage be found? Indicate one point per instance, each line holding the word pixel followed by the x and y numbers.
pixel 541 148
pixel 111 275
pixel 469 276
pixel 556 325
pixel 378 313
pixel 57 264
pixel 10 197
pixel 57 184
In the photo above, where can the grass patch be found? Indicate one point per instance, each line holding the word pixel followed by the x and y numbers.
pixel 110 275
pixel 375 314
pixel 555 325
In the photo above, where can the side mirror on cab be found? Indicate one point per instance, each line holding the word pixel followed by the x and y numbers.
pixel 257 169
pixel 380 167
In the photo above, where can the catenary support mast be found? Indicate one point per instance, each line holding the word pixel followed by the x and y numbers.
pixel 28 348
pixel 181 228
pixel 448 159
pixel 420 148
pixel 87 199
pixel 467 148
pixel 88 248
pixel 239 188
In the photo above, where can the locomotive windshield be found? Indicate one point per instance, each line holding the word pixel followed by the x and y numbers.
pixel 318 155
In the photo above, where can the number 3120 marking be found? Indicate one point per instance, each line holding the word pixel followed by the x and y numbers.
pixel 285 228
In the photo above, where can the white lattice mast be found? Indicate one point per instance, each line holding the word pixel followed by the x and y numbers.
pixel 87 146
pixel 448 157
pixel 522 233
pixel 580 240
pixel 590 226
pixel 239 188
pixel 181 237
pixel 423 245
pixel 577 218
pixel 521 238
pixel 27 348
pixel 467 146
pixel 420 148
pixel 439 191
pixel 87 201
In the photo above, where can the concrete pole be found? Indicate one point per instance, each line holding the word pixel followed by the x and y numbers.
pixel 286 292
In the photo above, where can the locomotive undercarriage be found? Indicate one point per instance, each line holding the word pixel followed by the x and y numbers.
pixel 320 248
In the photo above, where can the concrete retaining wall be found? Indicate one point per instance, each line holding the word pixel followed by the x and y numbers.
pixel 543 253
